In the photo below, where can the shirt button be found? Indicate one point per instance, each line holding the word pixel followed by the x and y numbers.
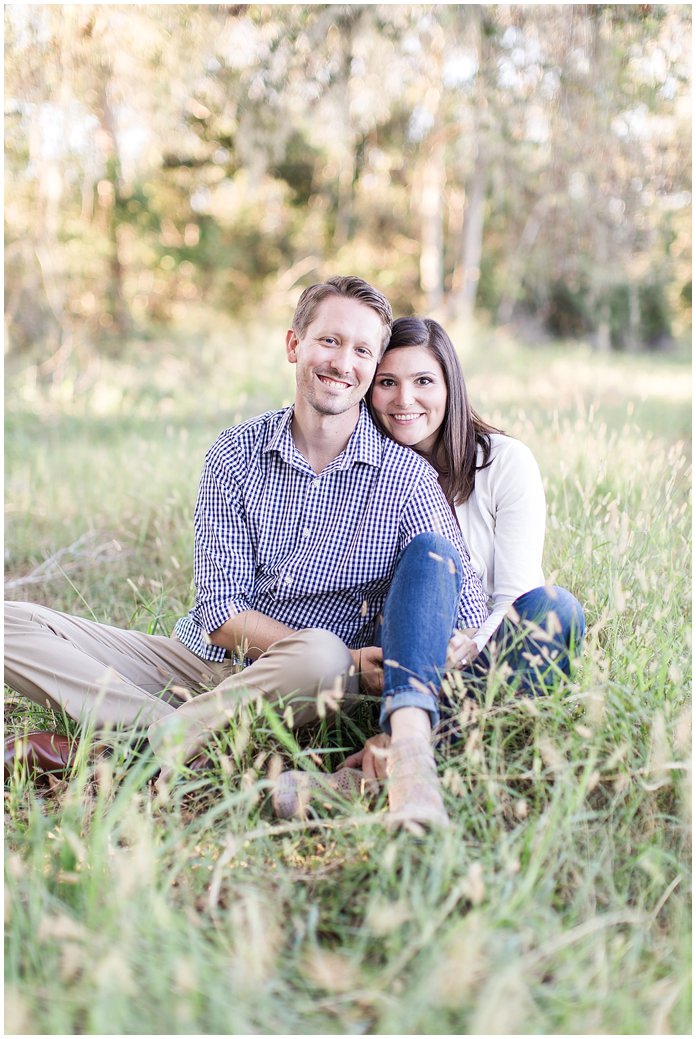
pixel 288 579
pixel 306 532
pixel 315 484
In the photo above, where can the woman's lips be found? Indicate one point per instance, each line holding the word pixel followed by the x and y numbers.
pixel 405 418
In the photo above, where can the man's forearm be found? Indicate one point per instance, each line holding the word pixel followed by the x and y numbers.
pixel 249 634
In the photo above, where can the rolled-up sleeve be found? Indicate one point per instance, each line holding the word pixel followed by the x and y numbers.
pixel 426 509
pixel 223 563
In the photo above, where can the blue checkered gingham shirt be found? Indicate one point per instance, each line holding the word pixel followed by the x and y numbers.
pixel 311 551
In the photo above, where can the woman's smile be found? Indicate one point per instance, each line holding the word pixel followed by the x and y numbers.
pixel 406 418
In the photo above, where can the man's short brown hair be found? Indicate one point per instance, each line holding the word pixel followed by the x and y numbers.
pixel 351 288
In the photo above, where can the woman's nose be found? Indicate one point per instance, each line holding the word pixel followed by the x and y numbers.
pixel 404 396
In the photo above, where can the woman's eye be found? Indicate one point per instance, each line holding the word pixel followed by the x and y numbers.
pixel 387 383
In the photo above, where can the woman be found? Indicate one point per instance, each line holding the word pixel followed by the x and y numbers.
pixel 492 482
pixel 494 487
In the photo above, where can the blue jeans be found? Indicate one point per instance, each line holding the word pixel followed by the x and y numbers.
pixel 534 648
pixel 420 614
pixel 537 642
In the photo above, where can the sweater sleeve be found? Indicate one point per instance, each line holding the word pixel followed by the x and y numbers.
pixel 519 513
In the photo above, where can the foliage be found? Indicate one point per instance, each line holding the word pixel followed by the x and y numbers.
pixel 530 159
pixel 559 901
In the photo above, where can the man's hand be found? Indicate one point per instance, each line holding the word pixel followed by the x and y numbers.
pixel 372 758
pixel 462 649
pixel 368 665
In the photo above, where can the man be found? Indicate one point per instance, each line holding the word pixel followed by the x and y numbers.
pixel 301 519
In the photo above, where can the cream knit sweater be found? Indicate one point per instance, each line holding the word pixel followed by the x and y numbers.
pixel 503 523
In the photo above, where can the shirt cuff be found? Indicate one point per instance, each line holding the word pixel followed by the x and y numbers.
pixel 213 615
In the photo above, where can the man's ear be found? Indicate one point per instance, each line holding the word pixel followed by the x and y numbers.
pixel 291 342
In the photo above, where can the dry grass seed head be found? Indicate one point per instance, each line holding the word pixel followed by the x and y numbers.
pixel 462 962
pixel 257 939
pixel 331 971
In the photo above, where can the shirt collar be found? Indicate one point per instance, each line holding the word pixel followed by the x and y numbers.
pixel 365 444
pixel 280 439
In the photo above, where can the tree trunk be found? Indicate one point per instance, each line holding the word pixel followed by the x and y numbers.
pixel 600 283
pixel 515 273
pixel 49 254
pixel 633 337
pixel 472 244
pixel 346 170
pixel 109 191
pixel 468 273
pixel 432 217
pixel 344 198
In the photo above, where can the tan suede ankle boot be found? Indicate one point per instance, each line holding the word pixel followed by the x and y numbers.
pixel 415 799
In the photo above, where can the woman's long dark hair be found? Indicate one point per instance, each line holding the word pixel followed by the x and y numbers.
pixel 462 430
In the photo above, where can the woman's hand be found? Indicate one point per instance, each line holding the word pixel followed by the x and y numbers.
pixel 372 758
pixel 462 649
pixel 368 666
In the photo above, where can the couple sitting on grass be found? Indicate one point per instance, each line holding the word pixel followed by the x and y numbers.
pixel 342 549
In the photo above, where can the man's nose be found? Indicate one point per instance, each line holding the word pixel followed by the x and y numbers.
pixel 343 359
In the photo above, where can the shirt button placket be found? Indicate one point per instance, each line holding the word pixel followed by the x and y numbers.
pixel 313 505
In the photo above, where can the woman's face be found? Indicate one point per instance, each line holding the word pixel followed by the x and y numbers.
pixel 409 396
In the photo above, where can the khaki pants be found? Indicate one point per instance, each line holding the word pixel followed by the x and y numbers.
pixel 108 677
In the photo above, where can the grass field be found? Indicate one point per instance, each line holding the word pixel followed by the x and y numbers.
pixel 558 903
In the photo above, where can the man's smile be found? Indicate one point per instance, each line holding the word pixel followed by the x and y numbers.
pixel 334 380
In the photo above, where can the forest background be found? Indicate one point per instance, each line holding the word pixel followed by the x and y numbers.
pixel 527 163
pixel 174 176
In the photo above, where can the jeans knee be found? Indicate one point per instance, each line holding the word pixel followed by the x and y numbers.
pixel 570 613
pixel 540 602
pixel 431 547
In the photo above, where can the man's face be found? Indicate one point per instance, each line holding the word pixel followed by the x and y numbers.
pixel 337 356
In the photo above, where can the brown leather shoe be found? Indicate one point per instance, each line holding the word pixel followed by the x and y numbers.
pixel 42 753
pixel 293 792
pixel 200 764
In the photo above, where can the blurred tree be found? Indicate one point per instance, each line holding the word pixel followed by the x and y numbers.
pixel 588 228
pixel 532 162
pixel 77 76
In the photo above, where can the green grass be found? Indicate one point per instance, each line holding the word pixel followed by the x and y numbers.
pixel 559 902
